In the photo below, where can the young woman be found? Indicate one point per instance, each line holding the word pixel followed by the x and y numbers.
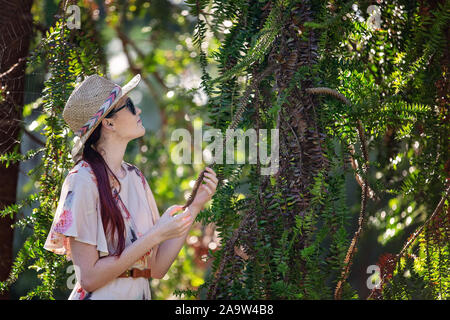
pixel 107 221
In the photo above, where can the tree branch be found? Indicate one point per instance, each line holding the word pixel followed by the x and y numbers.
pixel 419 230
pixel 13 67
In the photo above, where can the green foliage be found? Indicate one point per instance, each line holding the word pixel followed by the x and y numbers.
pixel 423 272
pixel 14 156
pixel 283 260
pixel 263 41
pixel 389 75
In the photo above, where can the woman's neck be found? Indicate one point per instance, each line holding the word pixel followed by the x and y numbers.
pixel 113 154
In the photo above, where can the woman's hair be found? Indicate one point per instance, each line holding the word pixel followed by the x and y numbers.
pixel 111 214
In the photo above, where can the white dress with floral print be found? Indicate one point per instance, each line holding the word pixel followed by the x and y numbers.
pixel 78 215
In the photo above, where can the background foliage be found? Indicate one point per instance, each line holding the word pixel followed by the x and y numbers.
pixel 284 236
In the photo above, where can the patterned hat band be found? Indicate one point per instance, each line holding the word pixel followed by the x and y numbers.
pixel 115 92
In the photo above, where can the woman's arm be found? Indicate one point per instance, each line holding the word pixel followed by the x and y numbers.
pixel 94 272
pixel 169 249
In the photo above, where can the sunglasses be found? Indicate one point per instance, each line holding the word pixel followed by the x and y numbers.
pixel 129 104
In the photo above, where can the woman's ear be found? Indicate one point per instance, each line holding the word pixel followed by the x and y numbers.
pixel 108 124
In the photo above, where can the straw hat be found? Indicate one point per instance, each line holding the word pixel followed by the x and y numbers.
pixel 88 105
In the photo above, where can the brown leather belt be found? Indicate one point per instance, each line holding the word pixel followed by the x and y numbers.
pixel 136 273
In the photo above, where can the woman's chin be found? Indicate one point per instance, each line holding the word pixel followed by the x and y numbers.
pixel 139 133
pixel 142 132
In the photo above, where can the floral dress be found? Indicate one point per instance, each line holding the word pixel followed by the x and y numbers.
pixel 78 215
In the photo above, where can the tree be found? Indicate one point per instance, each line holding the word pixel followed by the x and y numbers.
pixel 16 24
pixel 288 236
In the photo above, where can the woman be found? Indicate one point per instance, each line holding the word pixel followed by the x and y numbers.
pixel 107 221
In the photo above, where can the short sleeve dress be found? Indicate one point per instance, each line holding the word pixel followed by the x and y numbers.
pixel 78 215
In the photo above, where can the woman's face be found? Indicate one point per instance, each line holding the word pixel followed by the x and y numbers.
pixel 126 125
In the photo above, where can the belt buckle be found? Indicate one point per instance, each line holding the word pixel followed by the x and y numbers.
pixel 129 273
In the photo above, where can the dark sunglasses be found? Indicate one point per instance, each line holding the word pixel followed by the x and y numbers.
pixel 128 103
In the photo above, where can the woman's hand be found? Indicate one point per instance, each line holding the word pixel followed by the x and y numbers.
pixel 170 227
pixel 206 191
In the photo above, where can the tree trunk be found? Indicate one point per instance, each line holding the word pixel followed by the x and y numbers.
pixel 16 30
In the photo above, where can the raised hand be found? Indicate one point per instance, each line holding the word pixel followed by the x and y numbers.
pixel 170 226
pixel 206 190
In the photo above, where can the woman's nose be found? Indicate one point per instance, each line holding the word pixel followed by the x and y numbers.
pixel 138 110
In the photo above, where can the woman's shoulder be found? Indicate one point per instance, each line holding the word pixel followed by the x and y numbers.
pixel 130 166
pixel 83 172
pixel 136 173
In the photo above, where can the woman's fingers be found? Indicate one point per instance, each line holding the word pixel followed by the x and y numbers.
pixel 186 223
pixel 210 192
pixel 212 177
pixel 210 183
pixel 210 180
pixel 210 170
pixel 184 215
pixel 183 230
pixel 174 209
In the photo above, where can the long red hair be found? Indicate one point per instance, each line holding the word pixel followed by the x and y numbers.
pixel 112 219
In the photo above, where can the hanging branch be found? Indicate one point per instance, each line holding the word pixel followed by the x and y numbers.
pixel 351 148
pixel 420 229
pixel 362 181
pixel 416 233
pixel 236 234
pixel 228 254
pixel 236 120
pixel 352 248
